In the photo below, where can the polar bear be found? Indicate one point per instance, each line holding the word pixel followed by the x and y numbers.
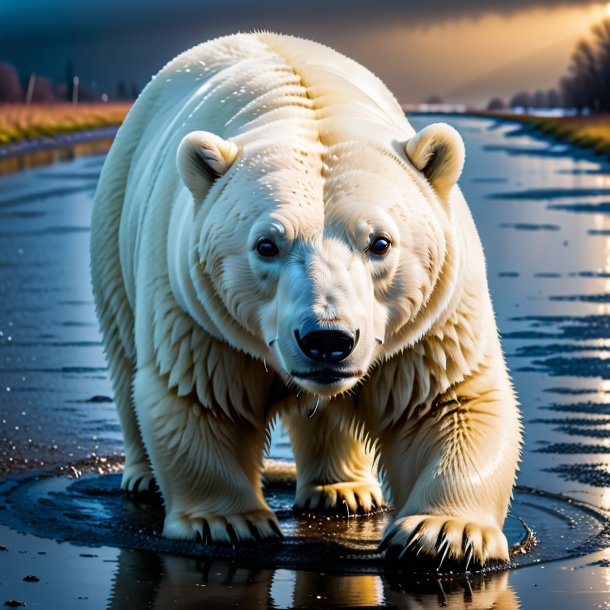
pixel 271 237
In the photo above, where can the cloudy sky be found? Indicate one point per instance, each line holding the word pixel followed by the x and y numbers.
pixel 467 51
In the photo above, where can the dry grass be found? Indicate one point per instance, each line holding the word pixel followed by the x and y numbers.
pixel 585 131
pixel 590 132
pixel 20 122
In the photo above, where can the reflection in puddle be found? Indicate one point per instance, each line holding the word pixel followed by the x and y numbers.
pixel 557 193
pixel 523 226
pixel 582 208
pixel 521 151
pixel 156 581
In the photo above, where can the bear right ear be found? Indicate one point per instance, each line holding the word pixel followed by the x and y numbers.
pixel 201 158
pixel 438 152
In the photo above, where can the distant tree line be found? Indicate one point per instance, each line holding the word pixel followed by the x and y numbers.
pixel 587 84
pixel 39 89
pixel 524 99
pixel 585 87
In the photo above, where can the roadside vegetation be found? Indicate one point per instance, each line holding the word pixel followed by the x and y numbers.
pixel 585 131
pixel 20 122
pixel 591 131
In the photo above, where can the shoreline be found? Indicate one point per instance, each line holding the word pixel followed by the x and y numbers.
pixel 27 153
pixel 585 132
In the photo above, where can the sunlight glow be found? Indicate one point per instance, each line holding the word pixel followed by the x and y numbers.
pixel 608 8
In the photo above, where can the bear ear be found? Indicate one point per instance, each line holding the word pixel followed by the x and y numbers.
pixel 201 158
pixel 438 151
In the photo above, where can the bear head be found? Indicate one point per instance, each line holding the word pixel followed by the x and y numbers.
pixel 321 259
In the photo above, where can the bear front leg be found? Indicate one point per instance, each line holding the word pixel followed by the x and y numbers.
pixel 451 473
pixel 336 470
pixel 137 476
pixel 207 466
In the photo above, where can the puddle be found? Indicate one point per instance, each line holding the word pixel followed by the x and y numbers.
pixel 322 560
pixel 522 226
pixel 547 246
pixel 91 510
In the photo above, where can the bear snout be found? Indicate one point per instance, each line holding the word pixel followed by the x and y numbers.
pixel 326 345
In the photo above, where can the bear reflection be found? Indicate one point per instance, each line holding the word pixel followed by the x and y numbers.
pixel 150 580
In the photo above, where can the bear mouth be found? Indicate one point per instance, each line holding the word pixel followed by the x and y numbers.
pixel 326 376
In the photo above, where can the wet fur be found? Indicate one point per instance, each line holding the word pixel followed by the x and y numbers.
pixel 199 332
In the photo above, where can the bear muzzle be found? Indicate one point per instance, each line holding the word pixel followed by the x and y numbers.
pixel 328 346
pixel 325 348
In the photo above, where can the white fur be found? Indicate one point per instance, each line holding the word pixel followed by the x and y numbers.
pixel 266 137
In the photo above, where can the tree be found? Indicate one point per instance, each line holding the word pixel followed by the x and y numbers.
pixel 587 84
pixel 68 82
pixel 434 100
pixel 11 90
pixel 121 90
pixel 552 99
pixel 521 100
pixel 539 99
pixel 495 104
pixel 43 90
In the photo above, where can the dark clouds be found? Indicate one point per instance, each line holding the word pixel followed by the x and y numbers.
pixel 53 19
pixel 110 40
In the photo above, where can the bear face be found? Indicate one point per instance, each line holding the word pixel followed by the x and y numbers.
pixel 348 243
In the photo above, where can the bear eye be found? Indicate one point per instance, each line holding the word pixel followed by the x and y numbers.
pixel 266 247
pixel 380 245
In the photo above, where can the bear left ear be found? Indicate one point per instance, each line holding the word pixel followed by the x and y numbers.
pixel 201 158
pixel 438 151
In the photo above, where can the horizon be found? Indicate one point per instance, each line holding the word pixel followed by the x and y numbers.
pixel 464 55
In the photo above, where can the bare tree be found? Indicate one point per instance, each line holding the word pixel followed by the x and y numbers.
pixel 11 90
pixel 587 84
pixel 553 100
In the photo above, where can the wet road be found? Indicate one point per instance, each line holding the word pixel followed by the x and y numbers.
pixel 543 212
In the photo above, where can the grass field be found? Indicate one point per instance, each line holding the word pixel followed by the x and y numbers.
pixel 585 131
pixel 20 122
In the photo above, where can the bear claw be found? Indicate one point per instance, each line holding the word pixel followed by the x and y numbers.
pixel 253 526
pixel 444 542
pixel 138 480
pixel 349 498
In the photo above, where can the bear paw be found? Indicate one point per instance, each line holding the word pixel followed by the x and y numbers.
pixel 253 526
pixel 448 541
pixel 358 497
pixel 138 479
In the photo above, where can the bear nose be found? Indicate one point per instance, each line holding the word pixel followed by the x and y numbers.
pixel 328 346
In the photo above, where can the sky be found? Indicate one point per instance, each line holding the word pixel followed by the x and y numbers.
pixel 464 52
